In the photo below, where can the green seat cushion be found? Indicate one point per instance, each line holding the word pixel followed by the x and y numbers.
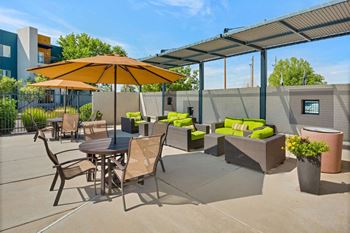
pixel 228 122
pixel 170 121
pixel 139 122
pixel 254 123
pixel 182 115
pixel 197 135
pixel 226 131
pixel 238 133
pixel 183 122
pixel 262 133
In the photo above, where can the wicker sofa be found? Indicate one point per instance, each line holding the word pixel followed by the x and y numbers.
pixel 130 123
pixel 258 147
pixel 185 137
pixel 173 116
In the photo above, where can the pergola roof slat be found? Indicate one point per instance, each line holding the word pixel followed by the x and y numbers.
pixel 328 20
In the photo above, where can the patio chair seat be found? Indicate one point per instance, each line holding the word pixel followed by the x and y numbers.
pixel 225 131
pixel 78 168
pixel 197 135
pixel 139 122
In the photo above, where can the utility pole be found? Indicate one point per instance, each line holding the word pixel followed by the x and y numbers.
pixel 225 73
pixel 252 73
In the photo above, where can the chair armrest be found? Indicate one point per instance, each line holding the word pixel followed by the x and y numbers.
pixel 216 125
pixel 71 161
pixel 116 162
pixel 65 151
pixel 202 127
pixel 272 126
pixel 158 118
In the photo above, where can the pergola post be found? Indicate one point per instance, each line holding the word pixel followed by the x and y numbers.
pixel 263 83
pixel 200 92
pixel 163 98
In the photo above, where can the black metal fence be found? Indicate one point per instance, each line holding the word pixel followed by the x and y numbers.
pixel 14 109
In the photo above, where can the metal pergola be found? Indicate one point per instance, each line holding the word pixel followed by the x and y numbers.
pixel 325 21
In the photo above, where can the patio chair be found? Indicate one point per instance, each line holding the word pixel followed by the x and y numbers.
pixel 35 125
pixel 69 125
pixel 67 170
pixel 142 160
pixel 95 129
pixel 160 129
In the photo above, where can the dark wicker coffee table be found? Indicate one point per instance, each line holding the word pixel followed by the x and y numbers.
pixel 214 144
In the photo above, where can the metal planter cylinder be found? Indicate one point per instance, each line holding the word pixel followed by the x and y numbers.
pixel 309 174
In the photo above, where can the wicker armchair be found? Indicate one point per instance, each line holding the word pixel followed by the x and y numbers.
pixel 130 125
pixel 142 160
pixel 67 170
pixel 181 138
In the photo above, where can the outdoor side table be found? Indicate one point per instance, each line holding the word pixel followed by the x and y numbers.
pixel 55 124
pixel 103 147
pixel 331 160
pixel 214 144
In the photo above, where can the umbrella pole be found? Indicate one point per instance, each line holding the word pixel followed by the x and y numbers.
pixel 115 105
pixel 65 100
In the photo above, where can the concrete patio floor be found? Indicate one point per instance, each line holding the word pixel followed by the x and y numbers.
pixel 199 193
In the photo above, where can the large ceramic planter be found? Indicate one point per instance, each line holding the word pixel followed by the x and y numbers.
pixel 309 174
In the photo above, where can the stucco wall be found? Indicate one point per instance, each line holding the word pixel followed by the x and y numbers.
pixel 104 101
pixel 27 51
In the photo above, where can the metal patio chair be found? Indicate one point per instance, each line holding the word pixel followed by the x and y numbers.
pixel 142 159
pixel 160 129
pixel 70 125
pixel 68 169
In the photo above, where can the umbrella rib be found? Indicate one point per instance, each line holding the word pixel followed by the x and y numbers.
pixel 106 68
pixel 61 75
pixel 144 68
pixel 49 66
pixel 127 70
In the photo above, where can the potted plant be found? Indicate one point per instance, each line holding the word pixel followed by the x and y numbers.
pixel 308 161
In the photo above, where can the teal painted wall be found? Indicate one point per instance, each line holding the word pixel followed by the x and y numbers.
pixel 10 39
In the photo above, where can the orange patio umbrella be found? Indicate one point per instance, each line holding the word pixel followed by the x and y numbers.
pixel 108 70
pixel 65 84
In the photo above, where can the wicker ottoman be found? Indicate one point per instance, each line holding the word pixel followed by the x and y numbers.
pixel 214 144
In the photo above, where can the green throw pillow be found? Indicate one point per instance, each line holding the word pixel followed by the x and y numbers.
pixel 136 115
pixel 182 115
pixel 183 122
pixel 172 115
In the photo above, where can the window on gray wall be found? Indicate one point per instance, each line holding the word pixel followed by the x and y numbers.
pixel 5 51
pixel 5 72
pixel 311 107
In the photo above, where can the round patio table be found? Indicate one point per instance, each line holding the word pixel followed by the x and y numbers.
pixel 105 147
pixel 331 160
pixel 55 124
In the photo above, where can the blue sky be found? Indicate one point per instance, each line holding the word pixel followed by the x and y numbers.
pixel 145 27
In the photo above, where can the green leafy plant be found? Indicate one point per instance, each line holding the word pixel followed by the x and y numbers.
pixel 303 147
pixel 39 116
pixel 99 115
pixel 85 112
pixel 8 114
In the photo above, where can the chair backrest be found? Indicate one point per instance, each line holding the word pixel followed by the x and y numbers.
pixel 51 155
pixel 70 122
pixel 160 128
pixel 35 126
pixel 95 129
pixel 143 156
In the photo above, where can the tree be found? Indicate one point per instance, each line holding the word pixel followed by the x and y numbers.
pixel 9 85
pixel 189 82
pixel 293 72
pixel 128 88
pixel 82 45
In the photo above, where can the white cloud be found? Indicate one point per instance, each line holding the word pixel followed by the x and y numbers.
pixel 335 73
pixel 191 7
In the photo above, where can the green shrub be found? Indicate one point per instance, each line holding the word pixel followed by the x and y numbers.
pixel 85 112
pixel 8 114
pixel 39 116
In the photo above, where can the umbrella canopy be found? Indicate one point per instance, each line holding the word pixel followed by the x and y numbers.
pixel 108 70
pixel 100 69
pixel 65 84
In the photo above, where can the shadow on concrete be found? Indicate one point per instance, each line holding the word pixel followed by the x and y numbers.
pixel 345 166
pixel 288 166
pixel 327 187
